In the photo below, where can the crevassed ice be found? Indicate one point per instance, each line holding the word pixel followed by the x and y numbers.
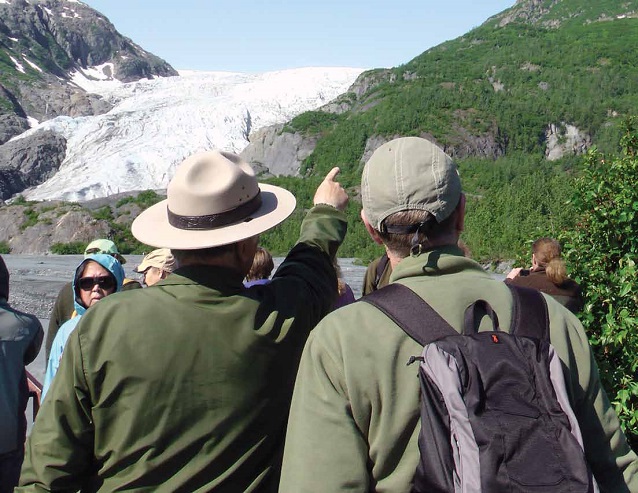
pixel 155 124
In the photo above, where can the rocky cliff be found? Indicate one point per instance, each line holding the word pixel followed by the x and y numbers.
pixel 28 227
pixel 43 43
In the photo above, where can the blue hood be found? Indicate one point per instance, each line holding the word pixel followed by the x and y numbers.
pixel 109 263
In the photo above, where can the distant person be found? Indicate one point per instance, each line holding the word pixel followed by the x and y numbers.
pixel 549 275
pixel 156 266
pixel 96 277
pixel 20 340
pixel 260 269
pixel 346 296
pixel 64 303
pixel 186 386
pixel 377 274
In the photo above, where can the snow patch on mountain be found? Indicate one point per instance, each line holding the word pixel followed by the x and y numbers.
pixel 155 124
pixel 96 79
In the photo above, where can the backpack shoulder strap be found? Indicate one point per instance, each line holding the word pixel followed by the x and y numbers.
pixel 530 317
pixel 410 312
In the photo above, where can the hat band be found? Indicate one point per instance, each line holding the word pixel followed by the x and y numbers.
pixel 213 221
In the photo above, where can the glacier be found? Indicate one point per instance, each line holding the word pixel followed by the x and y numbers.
pixel 154 124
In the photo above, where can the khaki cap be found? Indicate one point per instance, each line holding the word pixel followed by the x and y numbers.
pixel 409 173
pixel 162 258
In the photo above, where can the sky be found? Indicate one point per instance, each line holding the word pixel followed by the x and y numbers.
pixel 259 36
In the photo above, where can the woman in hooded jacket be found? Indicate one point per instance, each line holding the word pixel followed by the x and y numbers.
pixel 97 276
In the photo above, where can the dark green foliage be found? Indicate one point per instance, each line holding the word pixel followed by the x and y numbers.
pixel 602 248
pixel 5 249
pixel 511 201
pixel 20 200
pixel 31 218
pixel 105 213
pixel 311 122
pixel 71 248
pixel 502 84
pixel 343 148
pixel 144 199
pixel 126 243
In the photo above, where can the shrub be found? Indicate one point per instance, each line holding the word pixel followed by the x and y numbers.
pixel 4 248
pixel 144 199
pixel 104 213
pixel 602 249
pixel 71 248
pixel 31 218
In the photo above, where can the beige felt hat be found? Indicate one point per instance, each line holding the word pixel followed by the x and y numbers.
pixel 213 199
pixel 162 258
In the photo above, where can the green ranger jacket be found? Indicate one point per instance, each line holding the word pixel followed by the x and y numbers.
pixel 186 385
pixel 355 421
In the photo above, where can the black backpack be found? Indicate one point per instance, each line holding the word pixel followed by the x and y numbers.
pixel 495 415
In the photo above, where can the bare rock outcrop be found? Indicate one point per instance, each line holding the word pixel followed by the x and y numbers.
pixel 46 102
pixel 33 228
pixel 564 139
pixel 29 161
pixel 11 125
pixel 277 152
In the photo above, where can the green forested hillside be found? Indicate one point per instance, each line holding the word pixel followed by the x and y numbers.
pixel 488 99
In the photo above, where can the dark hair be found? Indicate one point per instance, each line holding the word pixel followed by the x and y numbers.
pixel 548 256
pixel 428 235
pixel 201 255
pixel 4 280
pixel 262 265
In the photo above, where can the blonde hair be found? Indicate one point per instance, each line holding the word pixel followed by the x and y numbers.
pixel 341 284
pixel 548 256
pixel 262 265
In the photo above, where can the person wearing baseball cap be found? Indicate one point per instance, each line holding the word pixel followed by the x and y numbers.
pixel 186 386
pixel 105 246
pixel 156 266
pixel 64 307
pixel 355 418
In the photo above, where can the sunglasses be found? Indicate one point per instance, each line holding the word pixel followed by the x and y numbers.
pixel 105 282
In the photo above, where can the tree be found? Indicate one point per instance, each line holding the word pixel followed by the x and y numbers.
pixel 602 250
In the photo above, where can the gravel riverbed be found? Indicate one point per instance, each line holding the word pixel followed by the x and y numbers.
pixel 35 281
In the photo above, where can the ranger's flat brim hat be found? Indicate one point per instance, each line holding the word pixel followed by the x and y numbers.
pixel 213 200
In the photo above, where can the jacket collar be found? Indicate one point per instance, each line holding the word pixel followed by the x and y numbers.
pixel 436 262
pixel 222 279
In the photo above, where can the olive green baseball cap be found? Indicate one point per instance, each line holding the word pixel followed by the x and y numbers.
pixel 106 247
pixel 409 173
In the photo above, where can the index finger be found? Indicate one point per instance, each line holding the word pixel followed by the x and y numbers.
pixel 332 174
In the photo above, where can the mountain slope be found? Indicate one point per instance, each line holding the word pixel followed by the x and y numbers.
pixel 545 77
pixel 43 43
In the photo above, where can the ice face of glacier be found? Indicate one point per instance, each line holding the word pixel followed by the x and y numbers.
pixel 156 123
